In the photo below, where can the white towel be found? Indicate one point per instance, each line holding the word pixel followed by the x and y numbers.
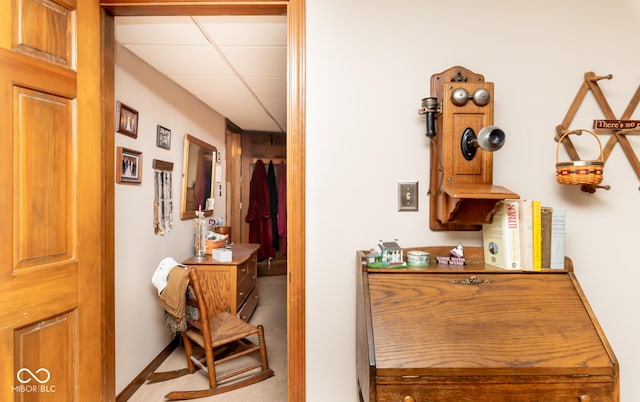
pixel 159 278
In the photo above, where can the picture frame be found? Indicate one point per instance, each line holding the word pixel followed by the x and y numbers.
pixel 128 166
pixel 163 137
pixel 126 120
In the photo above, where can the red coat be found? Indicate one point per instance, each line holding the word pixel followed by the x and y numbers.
pixel 259 213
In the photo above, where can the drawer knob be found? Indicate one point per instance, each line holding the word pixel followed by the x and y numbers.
pixel 408 398
pixel 585 398
pixel 241 294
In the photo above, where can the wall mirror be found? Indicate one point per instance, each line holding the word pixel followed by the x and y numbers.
pixel 198 173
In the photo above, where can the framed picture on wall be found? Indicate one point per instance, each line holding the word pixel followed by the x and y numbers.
pixel 128 166
pixel 126 120
pixel 163 137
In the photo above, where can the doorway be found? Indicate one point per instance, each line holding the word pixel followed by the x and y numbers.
pixel 244 150
pixel 295 11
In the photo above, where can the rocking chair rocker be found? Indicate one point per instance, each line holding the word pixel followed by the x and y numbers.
pixel 212 332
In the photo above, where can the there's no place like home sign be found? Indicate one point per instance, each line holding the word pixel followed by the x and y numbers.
pixel 616 124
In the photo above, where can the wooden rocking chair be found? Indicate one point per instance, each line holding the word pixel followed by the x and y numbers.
pixel 213 332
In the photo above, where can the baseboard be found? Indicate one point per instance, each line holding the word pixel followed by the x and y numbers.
pixel 137 382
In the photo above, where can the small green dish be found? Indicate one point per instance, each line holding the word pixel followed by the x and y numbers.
pixel 384 265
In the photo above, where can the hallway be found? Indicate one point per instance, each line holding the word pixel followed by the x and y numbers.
pixel 271 313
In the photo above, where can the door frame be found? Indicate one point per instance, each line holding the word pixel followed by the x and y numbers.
pixel 296 125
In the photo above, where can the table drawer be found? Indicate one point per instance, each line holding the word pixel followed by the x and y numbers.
pixel 244 270
pixel 247 309
pixel 247 268
pixel 246 282
pixel 480 392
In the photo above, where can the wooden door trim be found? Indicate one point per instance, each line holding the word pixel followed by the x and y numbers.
pixel 107 39
pixel 296 125
pixel 195 7
pixel 233 214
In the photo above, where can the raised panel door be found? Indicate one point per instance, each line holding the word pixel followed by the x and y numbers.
pixel 51 175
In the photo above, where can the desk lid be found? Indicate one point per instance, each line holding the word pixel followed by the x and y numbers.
pixel 500 324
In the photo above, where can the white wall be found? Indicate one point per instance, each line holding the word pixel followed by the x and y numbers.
pixel 140 333
pixel 368 66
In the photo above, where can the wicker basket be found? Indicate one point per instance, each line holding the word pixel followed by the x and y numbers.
pixel 211 244
pixel 580 171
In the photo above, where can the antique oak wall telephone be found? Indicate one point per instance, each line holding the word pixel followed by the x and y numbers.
pixel 459 122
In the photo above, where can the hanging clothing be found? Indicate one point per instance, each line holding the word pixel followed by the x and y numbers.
pixel 273 205
pixel 259 213
pixel 203 185
pixel 282 207
pixel 173 297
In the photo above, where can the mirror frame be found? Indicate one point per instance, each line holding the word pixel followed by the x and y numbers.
pixel 188 141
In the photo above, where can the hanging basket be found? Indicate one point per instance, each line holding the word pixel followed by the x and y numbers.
pixel 580 171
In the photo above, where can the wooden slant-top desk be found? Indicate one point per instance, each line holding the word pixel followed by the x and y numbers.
pixel 234 283
pixel 434 334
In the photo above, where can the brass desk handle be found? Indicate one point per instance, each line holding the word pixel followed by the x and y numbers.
pixel 584 398
pixel 472 280
pixel 408 399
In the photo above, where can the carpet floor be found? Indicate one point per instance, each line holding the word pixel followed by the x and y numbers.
pixel 272 314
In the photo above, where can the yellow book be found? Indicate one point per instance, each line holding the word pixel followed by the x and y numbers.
pixel 537 235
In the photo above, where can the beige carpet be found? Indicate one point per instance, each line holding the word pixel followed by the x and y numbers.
pixel 272 314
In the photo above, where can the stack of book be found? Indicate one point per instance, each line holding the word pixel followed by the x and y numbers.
pixel 525 235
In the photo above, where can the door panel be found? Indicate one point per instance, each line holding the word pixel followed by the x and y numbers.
pixel 42 147
pixel 51 339
pixel 39 22
pixel 35 347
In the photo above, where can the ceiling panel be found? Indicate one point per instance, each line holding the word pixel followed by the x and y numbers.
pixel 247 30
pixel 250 61
pixel 245 108
pixel 235 64
pixel 268 86
pixel 159 31
pixel 276 107
pixel 212 84
pixel 183 59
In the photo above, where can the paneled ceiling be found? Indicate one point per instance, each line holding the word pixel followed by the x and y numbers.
pixel 235 64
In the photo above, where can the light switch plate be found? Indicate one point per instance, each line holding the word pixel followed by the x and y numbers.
pixel 408 196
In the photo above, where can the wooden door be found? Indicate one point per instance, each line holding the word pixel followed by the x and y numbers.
pixel 233 185
pixel 51 208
